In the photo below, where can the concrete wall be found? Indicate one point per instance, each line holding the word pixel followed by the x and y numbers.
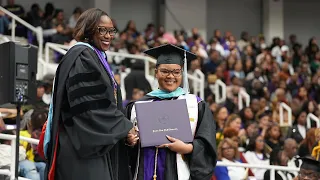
pixel 141 11
pixel 234 16
pixel 299 17
pixel 189 13
pixel 302 18
pixel 67 5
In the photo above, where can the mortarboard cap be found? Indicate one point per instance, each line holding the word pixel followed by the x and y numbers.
pixel 309 163
pixel 170 54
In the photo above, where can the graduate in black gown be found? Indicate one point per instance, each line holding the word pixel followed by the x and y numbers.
pixel 88 129
pixel 310 169
pixel 199 156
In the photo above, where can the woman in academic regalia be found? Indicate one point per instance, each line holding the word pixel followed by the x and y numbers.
pixel 176 160
pixel 86 130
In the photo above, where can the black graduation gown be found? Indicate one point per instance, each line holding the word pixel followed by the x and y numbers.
pixel 203 158
pixel 92 127
pixel 267 175
pixel 294 133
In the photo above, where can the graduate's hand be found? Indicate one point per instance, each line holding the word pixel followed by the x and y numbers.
pixel 178 146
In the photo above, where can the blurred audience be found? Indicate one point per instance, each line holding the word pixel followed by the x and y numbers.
pixel 271 74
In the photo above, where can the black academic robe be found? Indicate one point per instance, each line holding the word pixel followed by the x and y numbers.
pixel 90 126
pixel 286 175
pixel 203 158
pixel 294 133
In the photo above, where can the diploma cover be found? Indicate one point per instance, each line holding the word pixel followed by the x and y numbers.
pixel 157 119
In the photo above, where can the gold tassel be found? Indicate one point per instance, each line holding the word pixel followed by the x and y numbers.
pixel 155 165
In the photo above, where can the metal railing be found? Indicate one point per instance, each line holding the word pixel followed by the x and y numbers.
pixel 220 99
pixel 39 34
pixel 197 77
pixel 258 166
pixel 281 114
pixel 12 138
pixel 219 163
pixel 37 30
pixel 146 59
pixel 197 83
pixel 51 67
pixel 243 94
pixel 312 117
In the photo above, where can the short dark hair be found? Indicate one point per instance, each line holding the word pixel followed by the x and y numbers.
pixel 38 118
pixel 57 12
pixel 87 24
pixel 77 10
pixel 249 123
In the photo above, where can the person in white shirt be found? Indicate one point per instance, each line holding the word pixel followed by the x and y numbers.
pixel 27 168
pixel 5 154
pixel 244 41
pixel 202 51
pixel 215 44
pixel 290 149
pixel 228 153
pixel 74 18
pixel 256 155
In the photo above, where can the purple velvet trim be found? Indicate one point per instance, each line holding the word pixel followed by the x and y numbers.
pixel 149 155
pixel 106 66
pixel 198 99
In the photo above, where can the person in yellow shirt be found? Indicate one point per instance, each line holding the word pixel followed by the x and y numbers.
pixel 32 130
pixel 26 145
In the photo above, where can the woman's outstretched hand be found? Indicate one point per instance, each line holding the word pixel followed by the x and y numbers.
pixel 132 137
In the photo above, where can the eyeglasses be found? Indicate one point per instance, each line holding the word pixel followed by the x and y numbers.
pixel 167 72
pixel 103 31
